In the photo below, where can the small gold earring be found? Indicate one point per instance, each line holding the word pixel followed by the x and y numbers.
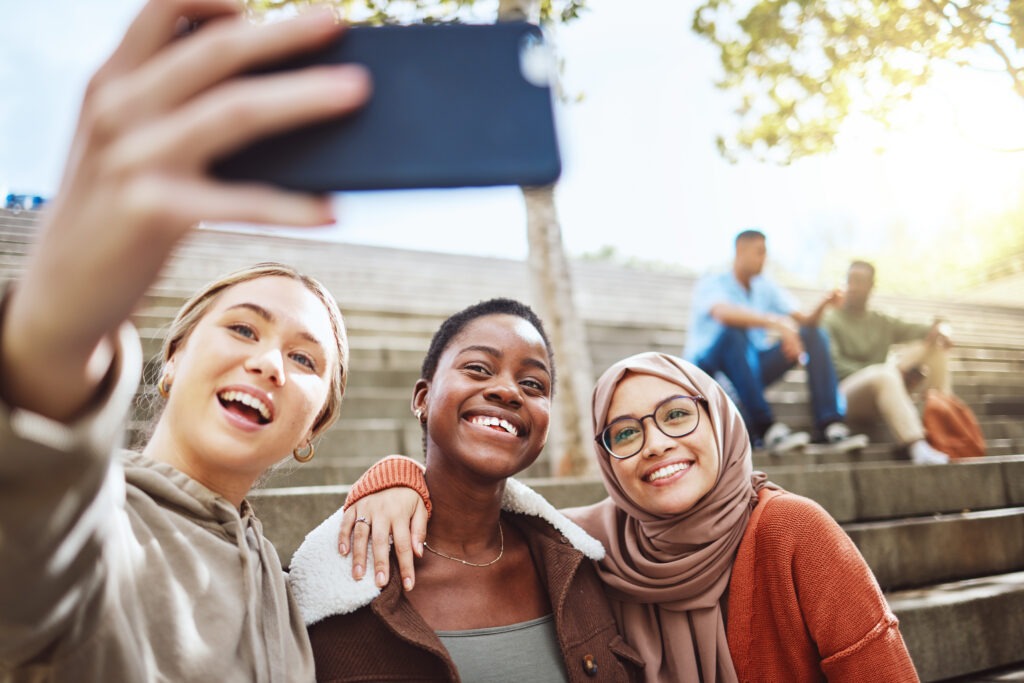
pixel 419 416
pixel 164 386
pixel 304 457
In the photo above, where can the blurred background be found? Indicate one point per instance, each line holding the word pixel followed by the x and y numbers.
pixel 904 136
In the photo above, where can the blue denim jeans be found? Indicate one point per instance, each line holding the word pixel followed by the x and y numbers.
pixel 750 370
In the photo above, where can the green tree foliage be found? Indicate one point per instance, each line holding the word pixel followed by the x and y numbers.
pixel 801 67
pixel 378 12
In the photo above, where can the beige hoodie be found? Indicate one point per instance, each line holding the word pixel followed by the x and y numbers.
pixel 123 569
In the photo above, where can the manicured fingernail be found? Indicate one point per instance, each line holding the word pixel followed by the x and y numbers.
pixel 351 80
pixel 343 548
pixel 419 548
pixel 380 579
pixel 358 571
pixel 407 583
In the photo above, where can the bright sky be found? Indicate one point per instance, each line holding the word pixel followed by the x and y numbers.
pixel 641 172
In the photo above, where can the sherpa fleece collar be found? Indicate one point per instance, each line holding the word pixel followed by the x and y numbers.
pixel 321 578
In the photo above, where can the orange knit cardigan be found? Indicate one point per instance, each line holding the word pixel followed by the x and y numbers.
pixel 804 605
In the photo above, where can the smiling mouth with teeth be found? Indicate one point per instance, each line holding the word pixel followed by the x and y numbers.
pixel 667 471
pixel 495 423
pixel 245 405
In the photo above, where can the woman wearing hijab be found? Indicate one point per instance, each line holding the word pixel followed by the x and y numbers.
pixel 714 573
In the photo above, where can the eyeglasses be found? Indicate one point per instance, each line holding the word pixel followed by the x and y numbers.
pixel 675 417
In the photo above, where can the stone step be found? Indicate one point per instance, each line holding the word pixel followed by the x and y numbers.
pixel 957 628
pixel 288 514
pixel 601 333
pixel 850 493
pixel 1002 674
pixel 885 491
pixel 1001 426
pixel 921 551
pixel 208 252
pixel 891 490
pixel 416 313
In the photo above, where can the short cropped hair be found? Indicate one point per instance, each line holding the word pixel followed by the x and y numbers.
pixel 749 234
pixel 863 264
pixel 451 327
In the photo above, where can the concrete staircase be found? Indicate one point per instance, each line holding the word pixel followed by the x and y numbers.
pixel 946 543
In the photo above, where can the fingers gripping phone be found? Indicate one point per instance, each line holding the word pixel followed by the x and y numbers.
pixel 453 105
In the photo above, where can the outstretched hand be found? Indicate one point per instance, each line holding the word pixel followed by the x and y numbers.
pixel 155 116
pixel 395 514
pixel 940 334
pixel 836 298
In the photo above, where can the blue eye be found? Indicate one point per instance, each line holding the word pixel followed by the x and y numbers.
pixel 243 330
pixel 625 434
pixel 304 360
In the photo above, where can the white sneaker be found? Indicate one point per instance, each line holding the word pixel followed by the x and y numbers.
pixel 838 439
pixel 922 453
pixel 780 439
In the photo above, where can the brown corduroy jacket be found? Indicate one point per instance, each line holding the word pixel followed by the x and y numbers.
pixel 387 640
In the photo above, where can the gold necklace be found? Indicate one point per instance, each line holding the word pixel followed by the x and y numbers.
pixel 501 535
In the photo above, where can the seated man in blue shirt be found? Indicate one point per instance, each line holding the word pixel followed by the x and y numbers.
pixel 730 321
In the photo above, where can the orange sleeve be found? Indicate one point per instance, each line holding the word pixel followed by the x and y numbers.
pixel 392 471
pixel 856 633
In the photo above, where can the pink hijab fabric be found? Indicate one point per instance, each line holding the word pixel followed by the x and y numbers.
pixel 668 575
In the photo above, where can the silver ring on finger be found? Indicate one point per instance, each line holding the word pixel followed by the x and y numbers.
pixel 364 521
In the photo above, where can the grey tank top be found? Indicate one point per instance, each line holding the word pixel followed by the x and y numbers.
pixel 527 651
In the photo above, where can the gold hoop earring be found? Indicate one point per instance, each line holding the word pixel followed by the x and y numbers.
pixel 304 457
pixel 164 387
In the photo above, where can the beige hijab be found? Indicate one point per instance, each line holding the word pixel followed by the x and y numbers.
pixel 668 576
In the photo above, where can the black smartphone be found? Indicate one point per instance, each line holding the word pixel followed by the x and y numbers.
pixel 453 105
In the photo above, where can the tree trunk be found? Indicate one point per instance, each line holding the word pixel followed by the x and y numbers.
pixel 551 284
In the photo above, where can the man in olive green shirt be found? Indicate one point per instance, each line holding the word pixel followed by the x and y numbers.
pixel 873 386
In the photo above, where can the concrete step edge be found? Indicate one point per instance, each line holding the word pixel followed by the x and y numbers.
pixel 956 628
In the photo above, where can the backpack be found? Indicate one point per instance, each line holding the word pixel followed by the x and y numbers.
pixel 951 426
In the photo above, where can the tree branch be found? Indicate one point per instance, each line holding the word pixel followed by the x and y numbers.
pixel 1016 74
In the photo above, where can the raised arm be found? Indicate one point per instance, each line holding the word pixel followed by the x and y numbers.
pixel 154 117
pixel 813 317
